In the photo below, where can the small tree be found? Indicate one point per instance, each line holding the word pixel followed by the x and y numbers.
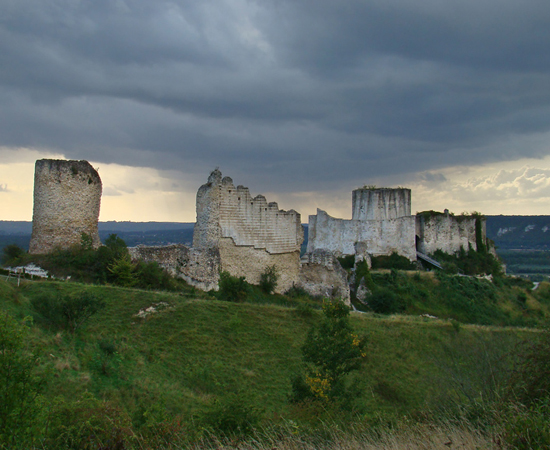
pixel 123 271
pixel 67 312
pixel 331 351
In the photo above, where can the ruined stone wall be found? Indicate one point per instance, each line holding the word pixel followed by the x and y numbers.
pixel 250 262
pixel 446 232
pixel 226 211
pixel 381 204
pixel 249 233
pixel 381 237
pixel 198 267
pixel 321 275
pixel 67 197
pixel 207 230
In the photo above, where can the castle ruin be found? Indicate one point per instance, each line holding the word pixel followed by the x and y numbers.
pixel 246 235
pixel 67 197
pixel 382 224
pixel 381 218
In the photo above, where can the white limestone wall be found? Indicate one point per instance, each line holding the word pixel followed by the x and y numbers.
pixel 381 204
pixel 257 223
pixel 446 233
pixel 381 237
pixel 67 197
pixel 226 211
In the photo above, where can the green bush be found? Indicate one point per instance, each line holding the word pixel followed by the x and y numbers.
pixel 123 271
pixel 469 262
pixel 67 312
pixel 232 289
pixel 19 386
pixel 527 428
pixel 12 254
pixel 393 261
pixel 347 262
pixel 268 279
pixel 384 300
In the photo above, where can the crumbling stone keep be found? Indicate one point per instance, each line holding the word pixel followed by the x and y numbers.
pixel 67 197
pixel 381 220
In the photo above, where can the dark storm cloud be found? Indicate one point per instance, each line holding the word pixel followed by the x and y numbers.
pixel 316 91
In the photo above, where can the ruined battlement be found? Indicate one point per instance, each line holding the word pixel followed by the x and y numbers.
pixel 67 197
pixel 226 211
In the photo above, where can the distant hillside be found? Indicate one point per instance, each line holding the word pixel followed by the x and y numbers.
pixel 508 232
pixel 133 233
pixel 519 232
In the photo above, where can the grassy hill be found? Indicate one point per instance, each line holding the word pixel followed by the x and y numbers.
pixel 196 363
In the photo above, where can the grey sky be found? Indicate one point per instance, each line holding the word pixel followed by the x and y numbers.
pixel 288 94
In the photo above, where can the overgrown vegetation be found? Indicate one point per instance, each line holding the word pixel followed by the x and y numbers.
pixel 158 370
pixel 20 384
pixel 66 312
pixel 109 264
pixel 119 367
pixel 393 261
pixel 331 351
pixel 469 262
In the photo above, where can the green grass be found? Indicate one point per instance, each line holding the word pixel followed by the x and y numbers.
pixel 195 354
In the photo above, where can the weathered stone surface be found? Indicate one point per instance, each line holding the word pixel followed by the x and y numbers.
pixel 362 253
pixel 381 237
pixel 362 291
pixel 446 232
pixel 250 262
pixel 198 267
pixel 381 204
pixel 249 233
pixel 322 275
pixel 67 197
pixel 235 233
pixel 226 211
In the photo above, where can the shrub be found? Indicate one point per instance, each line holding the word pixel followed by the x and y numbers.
pixel 394 261
pixel 384 300
pixel 527 428
pixel 347 262
pixel 469 262
pixel 67 312
pixel 268 279
pixel 232 289
pixel 12 254
pixel 19 385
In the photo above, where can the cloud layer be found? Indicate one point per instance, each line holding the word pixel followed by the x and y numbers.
pixel 297 95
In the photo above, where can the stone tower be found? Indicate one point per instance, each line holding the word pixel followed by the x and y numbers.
pixel 67 196
pixel 381 204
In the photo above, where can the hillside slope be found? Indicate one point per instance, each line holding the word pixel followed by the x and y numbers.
pixel 194 352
